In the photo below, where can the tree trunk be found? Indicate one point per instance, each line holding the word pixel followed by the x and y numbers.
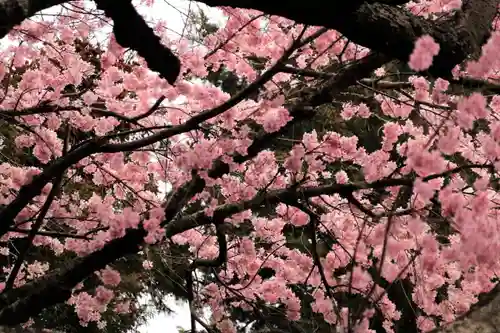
pixel 484 317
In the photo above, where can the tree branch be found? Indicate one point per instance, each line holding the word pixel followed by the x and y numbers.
pixel 28 300
pixel 221 259
pixel 387 29
pixel 484 317
pixel 39 221
pixel 196 120
pixel 34 188
pixel 56 234
pixel 29 191
pixel 314 251
pixel 381 27
pixel 13 12
pixel 131 31
pixel 56 287
pixel 456 84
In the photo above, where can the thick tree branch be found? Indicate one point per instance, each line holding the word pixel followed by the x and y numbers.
pixel 384 28
pixel 484 317
pixel 131 31
pixel 388 29
pixel 303 107
pixel 30 299
pixel 13 12
pixel 222 257
pixel 457 86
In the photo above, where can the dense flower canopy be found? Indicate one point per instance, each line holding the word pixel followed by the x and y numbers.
pixel 121 160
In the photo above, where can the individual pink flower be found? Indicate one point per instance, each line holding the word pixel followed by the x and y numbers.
pixel 147 264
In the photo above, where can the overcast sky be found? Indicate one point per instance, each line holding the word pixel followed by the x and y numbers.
pixel 168 323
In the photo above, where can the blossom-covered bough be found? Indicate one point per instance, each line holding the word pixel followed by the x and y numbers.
pixel 396 194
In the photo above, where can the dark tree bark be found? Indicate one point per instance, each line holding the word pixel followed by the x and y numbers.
pixel 388 29
pixel 484 317
pixel 381 27
pixel 131 31
pixel 13 12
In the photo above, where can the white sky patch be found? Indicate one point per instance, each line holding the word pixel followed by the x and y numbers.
pixel 169 323
pixel 175 13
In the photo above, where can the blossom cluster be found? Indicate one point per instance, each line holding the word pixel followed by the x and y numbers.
pixel 444 146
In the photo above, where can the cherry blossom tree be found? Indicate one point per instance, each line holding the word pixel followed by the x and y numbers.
pixel 329 161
